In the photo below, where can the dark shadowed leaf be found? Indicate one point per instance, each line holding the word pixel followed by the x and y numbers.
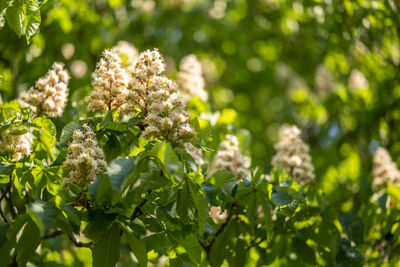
pixel 106 249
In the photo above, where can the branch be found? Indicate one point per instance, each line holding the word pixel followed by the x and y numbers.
pixel 81 244
pixel 219 231
pixel 3 215
pixel 71 237
pixel 54 234
pixel 138 210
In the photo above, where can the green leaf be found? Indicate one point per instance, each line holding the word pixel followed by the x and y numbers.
pixel 100 190
pixel 14 17
pixel 23 17
pixel 151 174
pixel 138 247
pixel 224 179
pixel 108 117
pixel 116 126
pixel 134 121
pixel 347 255
pixel 27 243
pixel 119 170
pixel 211 193
pixel 206 149
pixel 181 260
pixel 167 156
pixel 44 214
pixel 353 226
pixel 183 203
pixel 6 168
pixel 4 4
pixel 32 19
pixel 303 251
pixel 241 256
pixel 45 137
pixel 281 198
pixel 7 250
pixel 192 247
pixel 202 127
pixel 112 148
pixel 189 163
pixel 201 205
pixel 266 207
pixel 157 241
pixel 3 233
pixel 218 251
pixel 68 131
pixel 106 249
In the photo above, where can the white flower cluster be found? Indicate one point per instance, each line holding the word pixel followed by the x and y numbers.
pixel 85 158
pixel 217 215
pixel 110 83
pixel 50 95
pixel 142 89
pixel 230 158
pixel 157 97
pixel 293 155
pixel 191 79
pixel 16 146
pixel 150 63
pixel 384 168
pixel 128 53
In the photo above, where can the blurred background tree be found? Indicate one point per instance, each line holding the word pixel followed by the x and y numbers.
pixel 331 67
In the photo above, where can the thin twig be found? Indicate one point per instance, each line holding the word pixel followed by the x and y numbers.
pixel 3 215
pixel 81 244
pixel 220 230
pixel 138 210
pixel 53 234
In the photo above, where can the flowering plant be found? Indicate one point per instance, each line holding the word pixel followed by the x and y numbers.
pixel 151 175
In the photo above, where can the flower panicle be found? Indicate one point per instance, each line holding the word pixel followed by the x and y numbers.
pixel 50 93
pixel 384 168
pixel 85 158
pixel 16 146
pixel 190 77
pixel 293 155
pixel 230 158
pixel 110 83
